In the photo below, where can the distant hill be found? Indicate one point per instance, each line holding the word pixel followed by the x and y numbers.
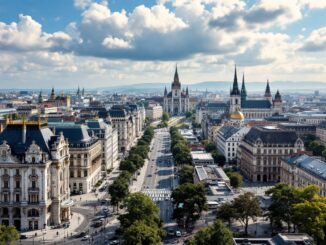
pixel 223 86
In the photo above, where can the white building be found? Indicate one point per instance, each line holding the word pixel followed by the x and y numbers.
pixel 228 139
pixel 177 101
pixel 307 117
pixel 154 112
pixel 34 170
pixel 321 132
pixel 109 139
pixel 201 158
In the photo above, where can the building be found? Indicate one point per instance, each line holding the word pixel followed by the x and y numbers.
pixel 307 117
pixel 54 100
pixel 176 102
pixel 301 170
pixel 34 170
pixel 210 174
pixel 265 107
pixel 109 138
pixel 129 121
pixel 228 139
pixel 321 132
pixel 85 156
pixel 201 158
pixel 302 130
pixel 154 112
pixel 262 149
pixel 279 239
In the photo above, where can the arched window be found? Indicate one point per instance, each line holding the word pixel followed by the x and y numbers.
pixel 33 213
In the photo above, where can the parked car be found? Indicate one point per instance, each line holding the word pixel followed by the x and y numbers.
pixel 86 238
pixel 178 233
pixel 23 236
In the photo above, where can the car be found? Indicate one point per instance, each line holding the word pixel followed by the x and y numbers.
pixel 178 233
pixel 114 242
pixel 82 234
pixel 86 238
pixel 171 232
pixel 22 236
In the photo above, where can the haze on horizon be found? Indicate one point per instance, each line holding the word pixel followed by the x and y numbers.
pixel 118 42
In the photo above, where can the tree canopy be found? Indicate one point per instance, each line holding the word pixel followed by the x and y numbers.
pixel 8 235
pixel 189 201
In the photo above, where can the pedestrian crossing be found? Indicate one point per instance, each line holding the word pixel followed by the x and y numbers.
pixel 158 194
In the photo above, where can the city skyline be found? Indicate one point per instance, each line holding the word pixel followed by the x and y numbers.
pixel 109 43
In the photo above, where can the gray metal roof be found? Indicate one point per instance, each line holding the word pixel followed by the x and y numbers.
pixel 257 104
pixel 312 165
pixel 227 131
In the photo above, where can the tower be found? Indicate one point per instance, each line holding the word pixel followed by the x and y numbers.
pixel 268 94
pixel 176 94
pixel 243 89
pixel 40 97
pixel 52 96
pixel 235 97
pixel 277 103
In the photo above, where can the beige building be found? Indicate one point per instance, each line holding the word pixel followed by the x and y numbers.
pixel 301 170
pixel 34 182
pixel 262 149
pixel 85 157
pixel 321 132
pixel 154 112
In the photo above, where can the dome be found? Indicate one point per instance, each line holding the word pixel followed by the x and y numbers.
pixel 237 115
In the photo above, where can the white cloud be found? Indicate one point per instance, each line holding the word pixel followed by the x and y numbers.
pixel 111 43
pixel 316 41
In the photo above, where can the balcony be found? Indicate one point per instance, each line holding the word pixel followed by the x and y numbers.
pixel 34 203
pixel 33 189
pixel 17 189
pixel 17 177
pixel 5 189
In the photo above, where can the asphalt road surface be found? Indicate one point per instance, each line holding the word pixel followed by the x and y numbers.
pixel 160 179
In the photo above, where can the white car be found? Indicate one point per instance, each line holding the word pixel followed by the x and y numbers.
pixel 86 238
pixel 178 233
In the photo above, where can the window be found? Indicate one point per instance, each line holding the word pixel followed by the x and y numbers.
pixel 17 198
pixel 71 174
pixel 33 184
pixel 33 198
pixel 5 197
pixel 33 172
pixel 17 184
pixel 17 172
pixel 85 173
pixel 6 184
pixel 33 213
pixel 79 174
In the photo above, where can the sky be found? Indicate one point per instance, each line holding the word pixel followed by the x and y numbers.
pixel 98 43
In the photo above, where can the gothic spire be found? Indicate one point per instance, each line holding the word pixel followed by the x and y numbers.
pixel 176 82
pixel 40 97
pixel 235 89
pixel 243 89
pixel 52 94
pixel 187 92
pixel 268 90
pixel 165 92
pixel 78 91
pixel 278 96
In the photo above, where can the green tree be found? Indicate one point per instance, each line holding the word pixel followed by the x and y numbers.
pixel 127 165
pixel 189 201
pixel 188 114
pixel 215 234
pixel 165 117
pixel 118 191
pixel 218 158
pixel 310 217
pixel 246 207
pixel 8 235
pixel 283 197
pixel 186 174
pixel 141 234
pixel 226 213
pixel 236 179
pixel 140 207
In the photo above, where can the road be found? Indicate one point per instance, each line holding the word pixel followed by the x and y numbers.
pixel 159 179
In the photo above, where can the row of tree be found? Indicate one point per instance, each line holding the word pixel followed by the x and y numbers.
pixel 119 189
pixel 302 209
pixel 179 148
pixel 236 179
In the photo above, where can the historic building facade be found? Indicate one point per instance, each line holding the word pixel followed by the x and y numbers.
pixel 262 149
pixel 34 170
pixel 176 102
pixel 301 170
pixel 254 109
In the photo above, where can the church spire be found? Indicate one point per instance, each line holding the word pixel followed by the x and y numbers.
pixel 235 89
pixel 187 92
pixel 40 97
pixel 176 82
pixel 52 97
pixel 243 89
pixel 278 96
pixel 268 90
pixel 78 92
pixel 165 92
